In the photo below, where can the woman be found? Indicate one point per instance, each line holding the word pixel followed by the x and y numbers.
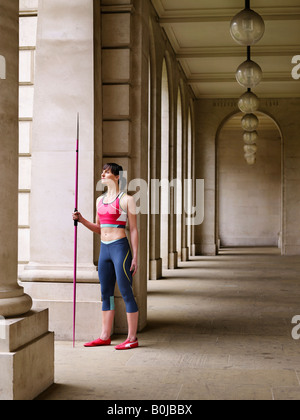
pixel 116 262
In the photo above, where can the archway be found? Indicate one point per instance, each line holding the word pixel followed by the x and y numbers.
pixel 249 197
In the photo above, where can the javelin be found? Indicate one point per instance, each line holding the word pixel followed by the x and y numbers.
pixel 75 232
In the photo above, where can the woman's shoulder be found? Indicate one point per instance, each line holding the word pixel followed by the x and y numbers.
pixel 127 202
pixel 124 197
pixel 100 198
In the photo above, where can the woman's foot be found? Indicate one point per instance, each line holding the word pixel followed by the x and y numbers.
pixel 128 345
pixel 98 343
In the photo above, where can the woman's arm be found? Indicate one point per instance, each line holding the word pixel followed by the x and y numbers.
pixel 94 227
pixel 134 237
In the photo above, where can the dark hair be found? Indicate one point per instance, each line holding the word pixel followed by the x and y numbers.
pixel 117 171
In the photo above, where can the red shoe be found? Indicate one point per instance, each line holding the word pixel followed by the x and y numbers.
pixel 98 343
pixel 127 345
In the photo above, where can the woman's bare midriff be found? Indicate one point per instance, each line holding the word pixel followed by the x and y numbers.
pixel 112 234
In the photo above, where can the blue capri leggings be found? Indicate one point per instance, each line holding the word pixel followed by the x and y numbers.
pixel 114 264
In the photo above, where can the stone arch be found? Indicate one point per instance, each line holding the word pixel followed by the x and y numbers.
pixel 249 200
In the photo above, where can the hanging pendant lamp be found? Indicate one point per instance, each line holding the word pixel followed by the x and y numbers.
pixel 247 27
pixel 250 122
pixel 249 102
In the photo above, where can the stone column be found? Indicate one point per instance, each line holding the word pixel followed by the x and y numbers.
pixel 184 244
pixel 26 346
pixel 155 260
pixel 13 301
pixel 194 192
pixel 125 114
pixel 64 86
pixel 173 255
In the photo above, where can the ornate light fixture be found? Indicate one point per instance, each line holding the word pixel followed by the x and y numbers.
pixel 250 137
pixel 249 102
pixel 247 28
pixel 250 122
pixel 249 73
pixel 250 153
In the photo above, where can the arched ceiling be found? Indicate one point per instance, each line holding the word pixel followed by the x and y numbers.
pixel 198 31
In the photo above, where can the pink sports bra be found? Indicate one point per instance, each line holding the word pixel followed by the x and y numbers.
pixel 112 214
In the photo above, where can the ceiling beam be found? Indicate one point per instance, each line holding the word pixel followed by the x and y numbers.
pixel 258 51
pixel 223 15
pixel 229 77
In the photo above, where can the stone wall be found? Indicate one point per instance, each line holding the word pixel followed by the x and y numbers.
pixel 249 197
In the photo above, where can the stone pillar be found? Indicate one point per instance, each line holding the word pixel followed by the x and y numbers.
pixel 125 111
pixel 64 86
pixel 155 260
pixel 26 346
pixel 184 236
pixel 139 112
pixel 116 21
pixel 13 301
pixel 194 200
pixel 172 252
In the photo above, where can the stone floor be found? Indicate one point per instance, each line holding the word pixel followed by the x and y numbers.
pixel 219 328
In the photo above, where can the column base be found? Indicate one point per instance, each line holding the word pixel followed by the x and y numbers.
pixel 173 260
pixel 58 298
pixel 155 269
pixel 12 306
pixel 51 287
pixel 26 356
pixel 193 250
pixel 185 254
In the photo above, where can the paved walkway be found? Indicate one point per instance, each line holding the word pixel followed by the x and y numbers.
pixel 219 328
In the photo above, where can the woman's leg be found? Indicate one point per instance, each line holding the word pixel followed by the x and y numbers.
pixel 107 279
pixel 107 323
pixel 132 320
pixel 122 263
